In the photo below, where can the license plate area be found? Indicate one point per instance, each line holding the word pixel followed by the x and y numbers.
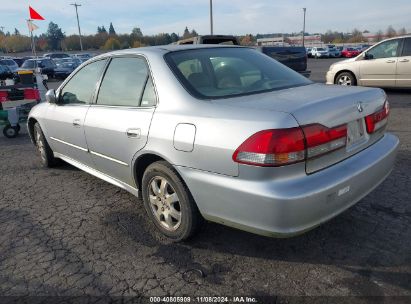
pixel 355 134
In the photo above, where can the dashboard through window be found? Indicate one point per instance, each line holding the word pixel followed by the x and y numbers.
pixel 225 72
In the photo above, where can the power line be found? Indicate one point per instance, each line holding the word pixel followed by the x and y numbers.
pixel 78 24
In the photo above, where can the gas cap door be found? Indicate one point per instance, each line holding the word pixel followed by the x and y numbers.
pixel 184 137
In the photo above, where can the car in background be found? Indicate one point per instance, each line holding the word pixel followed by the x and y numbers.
pixel 349 52
pixel 19 60
pixel 5 72
pixel 294 57
pixel 82 56
pixel 319 52
pixel 386 64
pixel 46 65
pixel 308 51
pixel 10 63
pixel 63 68
pixel 333 52
pixel 221 133
pixel 56 55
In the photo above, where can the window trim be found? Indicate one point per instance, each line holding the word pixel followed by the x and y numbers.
pixel 68 79
pixel 150 75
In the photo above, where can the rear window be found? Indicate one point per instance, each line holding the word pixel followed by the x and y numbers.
pixel 226 72
pixel 8 62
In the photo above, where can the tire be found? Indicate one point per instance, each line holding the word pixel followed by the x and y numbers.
pixel 170 206
pixel 46 154
pixel 11 132
pixel 345 79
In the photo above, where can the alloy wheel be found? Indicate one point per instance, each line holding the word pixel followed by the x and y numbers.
pixel 164 203
pixel 345 80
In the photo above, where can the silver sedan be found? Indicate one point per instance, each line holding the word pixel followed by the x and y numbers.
pixel 220 133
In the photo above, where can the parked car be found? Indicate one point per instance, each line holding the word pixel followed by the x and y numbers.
pixel 63 68
pixel 82 56
pixel 308 51
pixel 47 66
pixel 333 52
pixel 5 72
pixel 221 133
pixel 318 52
pixel 295 57
pixel 56 55
pixel 11 64
pixel 349 52
pixel 18 60
pixel 386 64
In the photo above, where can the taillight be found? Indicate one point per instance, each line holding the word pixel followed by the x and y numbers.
pixel 4 96
pixel 279 147
pixel 378 119
pixel 31 94
pixel 321 140
pixel 272 148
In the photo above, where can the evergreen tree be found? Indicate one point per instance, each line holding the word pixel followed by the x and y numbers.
pixel 111 30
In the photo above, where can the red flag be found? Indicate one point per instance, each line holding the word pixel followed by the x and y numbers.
pixel 34 15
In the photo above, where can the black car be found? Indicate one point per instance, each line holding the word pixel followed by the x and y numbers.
pixel 47 66
pixel 5 72
pixel 295 57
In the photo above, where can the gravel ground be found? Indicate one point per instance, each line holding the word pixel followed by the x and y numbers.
pixel 67 233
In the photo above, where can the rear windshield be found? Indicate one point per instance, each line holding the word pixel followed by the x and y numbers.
pixel 225 72
pixel 8 62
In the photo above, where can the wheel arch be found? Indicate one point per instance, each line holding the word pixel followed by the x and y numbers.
pixel 30 127
pixel 346 71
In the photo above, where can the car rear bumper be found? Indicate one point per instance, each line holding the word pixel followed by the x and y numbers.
pixel 285 207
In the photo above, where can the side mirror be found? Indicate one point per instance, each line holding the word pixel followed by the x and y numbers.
pixel 51 96
pixel 368 56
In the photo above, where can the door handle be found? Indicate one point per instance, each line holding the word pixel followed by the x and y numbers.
pixel 390 61
pixel 135 133
pixel 76 122
pixel 404 60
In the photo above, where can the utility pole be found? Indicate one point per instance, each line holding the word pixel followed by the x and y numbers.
pixel 304 9
pixel 211 17
pixel 78 24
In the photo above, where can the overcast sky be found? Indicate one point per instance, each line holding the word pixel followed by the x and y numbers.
pixel 230 16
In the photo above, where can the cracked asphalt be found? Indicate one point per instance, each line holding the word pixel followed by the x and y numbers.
pixel 64 232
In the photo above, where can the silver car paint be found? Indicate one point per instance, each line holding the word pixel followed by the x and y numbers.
pixel 273 201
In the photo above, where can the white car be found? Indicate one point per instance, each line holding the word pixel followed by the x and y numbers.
pixel 386 64
pixel 318 52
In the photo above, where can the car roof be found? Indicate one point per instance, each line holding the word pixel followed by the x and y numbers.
pixel 163 49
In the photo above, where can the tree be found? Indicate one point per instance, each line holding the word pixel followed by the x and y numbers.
pixel 16 32
pixel 186 33
pixel 174 37
pixel 390 32
pixel 111 30
pixel 136 32
pixel 379 36
pixel 194 33
pixel 54 36
pixel 402 31
pixel 112 44
pixel 101 30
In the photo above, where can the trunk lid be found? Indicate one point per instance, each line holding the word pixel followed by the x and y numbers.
pixel 330 106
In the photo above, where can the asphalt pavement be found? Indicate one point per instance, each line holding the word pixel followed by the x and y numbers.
pixel 67 233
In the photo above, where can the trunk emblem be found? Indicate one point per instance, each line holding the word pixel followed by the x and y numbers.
pixel 359 107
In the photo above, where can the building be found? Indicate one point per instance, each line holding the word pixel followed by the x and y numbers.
pixel 311 40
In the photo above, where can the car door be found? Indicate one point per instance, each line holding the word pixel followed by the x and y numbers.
pixel 404 65
pixel 117 124
pixel 379 68
pixel 65 120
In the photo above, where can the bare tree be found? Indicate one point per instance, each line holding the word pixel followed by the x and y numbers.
pixel 402 31
pixel 379 36
pixel 391 32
